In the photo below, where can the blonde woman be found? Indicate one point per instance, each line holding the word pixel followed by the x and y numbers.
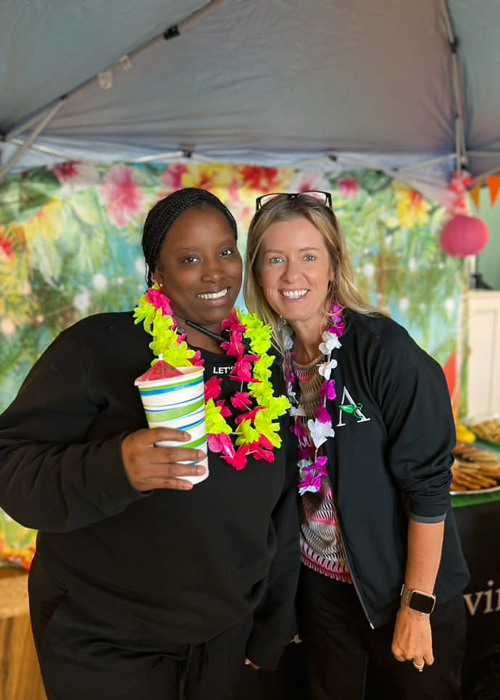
pixel 382 570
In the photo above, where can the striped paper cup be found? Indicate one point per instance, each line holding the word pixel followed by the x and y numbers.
pixel 178 402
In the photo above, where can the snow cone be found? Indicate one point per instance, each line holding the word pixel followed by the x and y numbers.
pixel 174 398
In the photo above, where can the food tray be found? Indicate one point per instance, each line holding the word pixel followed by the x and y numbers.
pixel 487 429
pixel 476 470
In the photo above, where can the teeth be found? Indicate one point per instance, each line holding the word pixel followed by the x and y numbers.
pixel 294 293
pixel 215 295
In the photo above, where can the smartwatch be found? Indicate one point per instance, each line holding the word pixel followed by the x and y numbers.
pixel 418 600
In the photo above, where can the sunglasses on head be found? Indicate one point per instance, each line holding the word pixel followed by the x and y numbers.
pixel 324 199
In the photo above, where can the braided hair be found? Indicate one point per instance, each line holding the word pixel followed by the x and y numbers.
pixel 161 217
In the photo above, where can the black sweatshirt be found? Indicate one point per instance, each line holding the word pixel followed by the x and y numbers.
pixel 190 564
pixel 390 459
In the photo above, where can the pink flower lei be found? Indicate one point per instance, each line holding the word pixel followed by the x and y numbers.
pixel 311 434
pixel 255 430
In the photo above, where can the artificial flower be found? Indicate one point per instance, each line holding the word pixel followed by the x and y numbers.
pixel 325 369
pixel 319 431
pixel 313 433
pixel 242 400
pixel 224 410
pixel 330 342
pixel 311 482
pixel 248 338
pixel 213 388
pixel 328 389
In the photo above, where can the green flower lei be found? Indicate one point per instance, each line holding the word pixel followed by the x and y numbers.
pixel 256 432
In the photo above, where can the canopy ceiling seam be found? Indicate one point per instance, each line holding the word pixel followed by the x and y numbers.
pixel 394 173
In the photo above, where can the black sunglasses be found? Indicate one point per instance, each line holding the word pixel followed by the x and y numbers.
pixel 324 198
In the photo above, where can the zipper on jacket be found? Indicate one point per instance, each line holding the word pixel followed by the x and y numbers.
pixel 355 583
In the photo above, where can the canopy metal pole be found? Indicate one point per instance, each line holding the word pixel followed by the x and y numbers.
pixel 457 89
pixel 26 122
pixel 11 135
pixel 44 149
pixel 158 157
pixel 424 163
pixel 484 154
pixel 26 144
pixel 395 174
pixel 176 29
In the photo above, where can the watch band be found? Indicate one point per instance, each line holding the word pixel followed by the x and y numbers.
pixel 418 600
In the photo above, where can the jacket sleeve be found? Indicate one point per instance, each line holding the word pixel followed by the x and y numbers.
pixel 52 477
pixel 274 618
pixel 416 410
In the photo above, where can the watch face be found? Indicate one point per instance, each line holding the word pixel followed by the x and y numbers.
pixel 421 602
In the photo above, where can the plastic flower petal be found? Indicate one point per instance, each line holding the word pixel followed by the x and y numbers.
pixel 328 389
pixel 325 369
pixel 224 410
pixel 259 453
pixel 241 400
pixel 159 300
pixel 310 483
pixel 240 458
pixel 212 388
pixel 330 342
pixel 214 421
pixel 246 434
pixel 264 425
pixel 234 346
pixel 221 443
pixel 250 415
pixel 322 415
pixel 320 432
pixel 232 322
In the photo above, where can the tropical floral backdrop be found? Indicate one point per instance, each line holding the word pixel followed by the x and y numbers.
pixel 70 247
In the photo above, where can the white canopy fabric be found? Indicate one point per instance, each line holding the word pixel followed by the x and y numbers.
pixel 272 82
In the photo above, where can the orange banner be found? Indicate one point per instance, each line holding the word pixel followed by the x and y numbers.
pixel 475 194
pixel 494 187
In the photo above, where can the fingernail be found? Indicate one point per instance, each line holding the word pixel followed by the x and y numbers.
pixel 187 486
pixel 201 454
pixel 200 470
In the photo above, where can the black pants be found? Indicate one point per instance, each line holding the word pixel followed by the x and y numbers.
pixel 87 653
pixel 347 660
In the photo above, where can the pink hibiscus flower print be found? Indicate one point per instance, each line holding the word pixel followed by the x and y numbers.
pixel 76 175
pixel 348 187
pixel 121 194
pixel 172 177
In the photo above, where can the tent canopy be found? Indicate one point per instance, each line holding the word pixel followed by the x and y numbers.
pixel 265 81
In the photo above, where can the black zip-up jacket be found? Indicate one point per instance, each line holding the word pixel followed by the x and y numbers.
pixel 390 459
pixel 188 564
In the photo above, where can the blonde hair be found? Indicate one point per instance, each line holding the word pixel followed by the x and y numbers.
pixel 284 208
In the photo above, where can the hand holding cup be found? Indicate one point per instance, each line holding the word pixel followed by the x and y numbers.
pixel 151 467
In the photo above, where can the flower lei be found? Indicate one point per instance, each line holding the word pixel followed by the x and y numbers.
pixel 255 431
pixel 312 434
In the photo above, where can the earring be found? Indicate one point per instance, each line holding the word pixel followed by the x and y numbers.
pixel 282 321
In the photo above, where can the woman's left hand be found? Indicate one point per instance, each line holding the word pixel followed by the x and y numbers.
pixel 412 639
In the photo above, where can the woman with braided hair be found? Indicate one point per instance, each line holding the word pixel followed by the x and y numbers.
pixel 145 585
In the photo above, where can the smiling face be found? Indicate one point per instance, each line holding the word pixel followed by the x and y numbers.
pixel 294 271
pixel 199 267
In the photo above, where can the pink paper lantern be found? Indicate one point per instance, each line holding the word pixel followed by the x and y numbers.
pixel 464 235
